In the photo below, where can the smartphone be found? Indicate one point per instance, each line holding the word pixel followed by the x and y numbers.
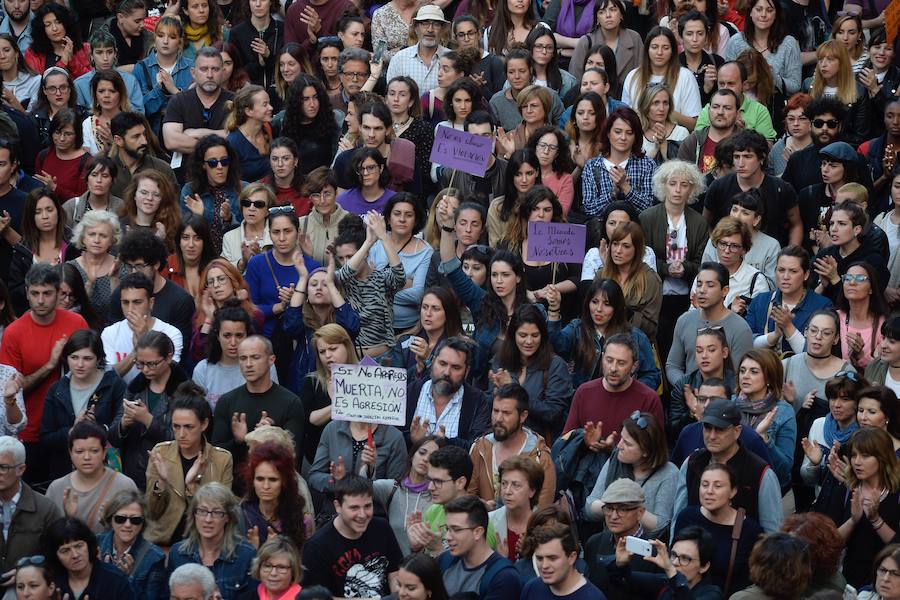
pixel 92 403
pixel 636 545
pixel 380 47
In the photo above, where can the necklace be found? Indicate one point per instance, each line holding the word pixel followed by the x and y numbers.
pixel 401 127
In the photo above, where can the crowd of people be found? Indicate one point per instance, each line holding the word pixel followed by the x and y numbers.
pixel 206 205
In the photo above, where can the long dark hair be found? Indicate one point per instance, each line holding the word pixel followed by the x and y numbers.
pixel 585 351
pixel 201 228
pixel 502 26
pixel 554 76
pixel 426 569
pixel 777 32
pixel 509 356
pixel 197 176
pixel 7 315
pixel 322 127
pixel 69 275
pixel 511 197
pixel 450 303
pixel 31 236
pixel 877 306
pixel 239 76
pixel 20 56
pixel 291 146
pixel 493 311
pixel 214 22
pixel 563 162
pixel 231 311
pixel 40 43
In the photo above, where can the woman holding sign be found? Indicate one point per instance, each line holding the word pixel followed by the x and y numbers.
pixel 369 450
pixel 540 204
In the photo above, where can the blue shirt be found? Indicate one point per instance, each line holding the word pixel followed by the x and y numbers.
pixel 135 95
pixel 232 574
pixel 759 314
pixel 24 40
pixel 691 438
pixel 155 97
pixel 254 165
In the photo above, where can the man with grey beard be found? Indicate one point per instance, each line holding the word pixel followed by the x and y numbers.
pixel 442 403
pixel 509 437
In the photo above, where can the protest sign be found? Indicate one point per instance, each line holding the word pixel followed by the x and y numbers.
pixel 462 151
pixel 556 242
pixel 370 394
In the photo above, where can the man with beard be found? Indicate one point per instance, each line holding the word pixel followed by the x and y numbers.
pixel 753 114
pixel 826 116
pixel 712 286
pixel 421 61
pixel 444 404
pixel 200 110
pixel 510 437
pixel 131 152
pixel 33 344
pixel 17 22
pixel 722 112
pixel 600 405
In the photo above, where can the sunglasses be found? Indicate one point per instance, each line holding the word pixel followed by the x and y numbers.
pixel 710 329
pixel 481 249
pixel 673 240
pixel 286 209
pixel 849 375
pixel 30 561
pixel 640 421
pixel 830 123
pixel 254 203
pixel 215 162
pixel 122 519
pixel 851 278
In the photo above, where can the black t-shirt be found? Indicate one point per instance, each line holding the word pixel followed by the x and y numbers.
pixel 352 568
pixel 779 197
pixel 13 202
pixel 185 108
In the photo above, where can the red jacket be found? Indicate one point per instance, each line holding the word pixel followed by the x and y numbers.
pixel 78 66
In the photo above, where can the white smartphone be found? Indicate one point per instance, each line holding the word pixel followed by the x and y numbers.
pixel 636 545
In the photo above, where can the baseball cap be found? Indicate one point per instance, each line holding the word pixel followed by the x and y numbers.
pixel 721 412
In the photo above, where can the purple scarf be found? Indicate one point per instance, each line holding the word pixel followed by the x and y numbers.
pixel 565 23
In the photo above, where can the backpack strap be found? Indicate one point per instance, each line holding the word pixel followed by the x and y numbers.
pixel 735 538
pixel 495 565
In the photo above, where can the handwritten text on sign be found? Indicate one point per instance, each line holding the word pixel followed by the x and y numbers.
pixel 371 394
pixel 556 242
pixel 461 150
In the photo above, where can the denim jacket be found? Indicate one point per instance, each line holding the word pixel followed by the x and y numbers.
pixel 148 577
pixel 759 313
pixel 232 574
pixel 305 353
pixel 566 339
pixel 155 97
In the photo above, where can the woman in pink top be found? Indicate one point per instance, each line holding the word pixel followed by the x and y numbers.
pixel 861 311
pixel 551 147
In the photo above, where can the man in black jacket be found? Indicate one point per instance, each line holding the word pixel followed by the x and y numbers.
pixel 442 402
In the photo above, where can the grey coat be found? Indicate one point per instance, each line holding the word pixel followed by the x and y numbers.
pixel 336 442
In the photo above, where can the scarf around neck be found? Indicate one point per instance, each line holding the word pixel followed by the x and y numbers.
pixel 833 434
pixel 195 34
pixel 566 23
pixel 416 488
pixel 754 411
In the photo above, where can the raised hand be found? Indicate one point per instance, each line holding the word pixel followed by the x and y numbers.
pixel 125 563
pixel 506 142
pixel 159 464
pixel 762 428
pixel 369 455
pixel 661 558
pixel 300 264
pixel 195 204
pixel 70 502
pixel 239 426
pixel 789 392
pixel 253 536
pixel 15 384
pixel 593 436
pixel 418 429
pixel 160 230
pixel 5 218
pixel 812 451
pixel 56 351
pixel 310 17
pixel 554 298
pixel 225 212
pixel 810 399
pixel 264 419
pixel 836 464
pixel 338 469
pixel 194 476
pixel 377 224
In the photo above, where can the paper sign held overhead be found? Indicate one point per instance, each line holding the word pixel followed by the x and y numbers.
pixel 556 242
pixel 370 394
pixel 462 151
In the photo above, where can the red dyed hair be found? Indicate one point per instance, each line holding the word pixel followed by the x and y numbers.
pixel 825 543
pixel 290 502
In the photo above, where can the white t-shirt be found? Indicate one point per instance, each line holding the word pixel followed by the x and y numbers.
pixel 687 94
pixel 739 283
pixel 676 249
pixel 118 342
pixel 891 383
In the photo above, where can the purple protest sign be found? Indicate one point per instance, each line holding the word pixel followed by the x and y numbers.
pixel 556 242
pixel 462 151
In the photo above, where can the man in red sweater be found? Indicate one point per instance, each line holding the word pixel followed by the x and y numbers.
pixel 33 344
pixel 600 405
pixel 307 21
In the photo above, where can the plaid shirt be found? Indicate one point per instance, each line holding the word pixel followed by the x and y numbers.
pixel 449 418
pixel 597 186
pixel 407 62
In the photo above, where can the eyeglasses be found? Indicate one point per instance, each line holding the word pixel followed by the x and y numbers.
pixel 64 134
pixel 320 196
pixel 880 572
pixel 67 295
pixel 729 246
pixel 852 376
pixel 815 332
pixel 447 530
pixel 545 147
pixel 148 194
pixel 286 209
pixel 204 513
pixel 128 267
pixel 254 203
pixel 363 169
pixel 430 24
pixel 281 159
pixel 618 509
pixel 214 281
pixel 438 483
pixel 544 47
pixel 212 163
pixel 4 469
pixel 830 123
pixel 680 559
pixel 268 568
pixel 353 75
pixel 464 35
pixel 640 421
pixel 151 364
pixel 56 89
pixel 122 519
pixel 851 278
pixel 30 561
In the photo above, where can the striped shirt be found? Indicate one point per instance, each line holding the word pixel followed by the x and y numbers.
pixel 373 299
pixel 449 418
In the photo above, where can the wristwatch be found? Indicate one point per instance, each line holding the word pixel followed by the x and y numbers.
pixel 447 229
